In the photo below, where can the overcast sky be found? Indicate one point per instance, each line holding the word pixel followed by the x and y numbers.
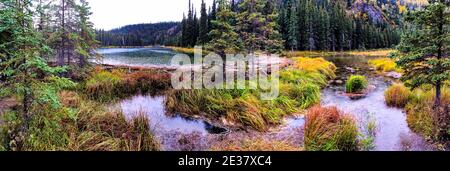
pixel 109 14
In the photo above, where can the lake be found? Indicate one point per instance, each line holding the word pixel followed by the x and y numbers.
pixel 148 57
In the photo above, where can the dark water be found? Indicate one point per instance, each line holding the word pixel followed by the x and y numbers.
pixel 153 57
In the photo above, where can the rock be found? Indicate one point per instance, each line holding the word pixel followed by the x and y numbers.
pixel 371 69
pixel 393 74
pixel 339 82
pixel 363 94
pixel 352 70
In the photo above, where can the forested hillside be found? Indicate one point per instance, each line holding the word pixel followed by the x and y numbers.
pixel 165 33
pixel 302 24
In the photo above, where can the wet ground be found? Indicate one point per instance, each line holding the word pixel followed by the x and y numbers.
pixel 392 132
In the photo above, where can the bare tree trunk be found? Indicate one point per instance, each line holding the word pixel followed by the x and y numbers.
pixel 441 45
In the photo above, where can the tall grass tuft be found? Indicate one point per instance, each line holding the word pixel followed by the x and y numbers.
pixel 397 95
pixel 89 127
pixel 356 84
pixel 328 129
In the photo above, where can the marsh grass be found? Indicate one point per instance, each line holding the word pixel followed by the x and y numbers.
pixel 397 95
pixel 256 144
pixel 299 89
pixel 106 86
pixel 385 65
pixel 422 117
pixel 89 126
pixel 329 129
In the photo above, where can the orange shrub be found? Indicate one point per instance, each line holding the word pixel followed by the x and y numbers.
pixel 329 129
pixel 397 95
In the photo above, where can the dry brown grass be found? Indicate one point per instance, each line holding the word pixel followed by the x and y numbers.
pixel 424 118
pixel 257 144
pixel 329 129
pixel 69 99
pixel 397 95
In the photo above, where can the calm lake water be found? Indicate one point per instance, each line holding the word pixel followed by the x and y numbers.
pixel 151 57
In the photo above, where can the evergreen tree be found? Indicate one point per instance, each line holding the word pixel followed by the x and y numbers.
pixel 86 43
pixel 224 38
pixel 66 26
pixel 184 32
pixel 250 22
pixel 292 28
pixel 423 51
pixel 274 42
pixel 212 16
pixel 26 73
pixel 203 30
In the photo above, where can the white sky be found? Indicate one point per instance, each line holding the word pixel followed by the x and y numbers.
pixel 109 14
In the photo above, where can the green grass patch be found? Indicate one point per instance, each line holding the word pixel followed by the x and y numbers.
pixel 356 84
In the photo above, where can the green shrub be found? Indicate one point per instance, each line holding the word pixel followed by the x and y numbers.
pixel 356 84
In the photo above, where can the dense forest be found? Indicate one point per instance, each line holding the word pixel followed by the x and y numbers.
pixel 302 24
pixel 165 33
pixel 305 24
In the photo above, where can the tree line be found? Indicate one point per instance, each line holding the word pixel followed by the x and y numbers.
pixel 165 33
pixel 295 24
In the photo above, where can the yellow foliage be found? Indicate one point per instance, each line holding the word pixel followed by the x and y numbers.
pixel 385 65
pixel 380 53
pixel 318 65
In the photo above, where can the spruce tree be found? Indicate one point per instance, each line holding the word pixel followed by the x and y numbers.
pixel 423 50
pixel 224 38
pixel 292 27
pixel 25 72
pixel 203 27
pixel 86 43
pixel 250 22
